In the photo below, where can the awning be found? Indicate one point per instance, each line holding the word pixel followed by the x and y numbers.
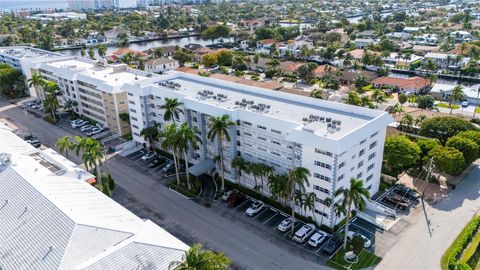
pixel 201 168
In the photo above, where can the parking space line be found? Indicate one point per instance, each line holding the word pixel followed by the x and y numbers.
pixel 276 213
pixel 258 214
pixel 247 200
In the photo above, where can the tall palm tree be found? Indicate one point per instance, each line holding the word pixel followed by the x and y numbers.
pixel 265 172
pixel 218 129
pixel 64 144
pixel 151 134
pixel 378 96
pixel 196 258
pixel 456 95
pixel 102 50
pixel 309 203
pixel 407 120
pixel 339 210
pixel 51 102
pixel 239 164
pixel 355 196
pixel 187 138
pixel 172 109
pixel 476 106
pixel 278 187
pixel 92 153
pixel 326 203
pixel 171 142
pixel 297 180
pixel 36 81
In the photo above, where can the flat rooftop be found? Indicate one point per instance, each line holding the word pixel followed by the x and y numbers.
pixel 306 112
pixel 114 75
pixel 24 52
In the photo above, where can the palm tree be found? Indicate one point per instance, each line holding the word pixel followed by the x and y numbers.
pixel 36 81
pixel 64 144
pixel 378 96
pixel 254 170
pixel 327 202
pixel 407 120
pixel 339 210
pixel 171 141
pixel 278 187
pixel 366 101
pixel 151 134
pixel 187 138
pixel 265 171
pixel 297 180
pixel 196 258
pixel 239 164
pixel 51 102
pixel 309 203
pixel 102 50
pixel 355 196
pixel 172 109
pixel 92 153
pixel 476 106
pixel 218 128
pixel 456 95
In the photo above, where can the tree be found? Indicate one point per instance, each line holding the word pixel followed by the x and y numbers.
pixel 297 180
pixel 64 144
pixel 91 53
pixel 218 129
pixel 278 187
pixel 172 109
pixel 36 81
pixel 378 96
pixel 317 93
pixel 360 82
pixel 240 165
pixel 456 95
pixel 396 109
pixel 400 153
pixel 182 57
pixel 224 58
pixel 473 135
pixel 102 50
pixel 122 40
pixel 215 32
pixel 444 127
pixel 306 71
pixel 448 160
pixel 209 59
pixel 327 202
pixel 355 196
pixel 407 121
pixel 92 154
pixel 402 98
pixel 187 139
pixel 338 209
pixel 171 142
pixel 425 102
pixel 124 116
pixel 354 98
pixel 151 134
pixel 82 52
pixel 468 147
pixel 196 258
pixel 476 106
pixel 309 203
pixel 51 102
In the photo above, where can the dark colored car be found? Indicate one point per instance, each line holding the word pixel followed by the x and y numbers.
pixel 395 200
pixel 405 192
pixel 332 245
pixel 157 162
pixel 236 199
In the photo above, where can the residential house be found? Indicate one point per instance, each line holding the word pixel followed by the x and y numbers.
pixel 349 77
pixel 367 34
pixel 94 38
pixel 408 85
pixel 322 70
pixel 363 42
pixel 426 39
pixel 396 59
pixel 161 65
pixel 461 36
pixel 442 91
pixel 447 61
pixel 290 67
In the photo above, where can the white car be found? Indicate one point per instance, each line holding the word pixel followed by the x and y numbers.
pixel 227 194
pixel 148 156
pixel 316 238
pixel 94 131
pixel 86 128
pixel 366 243
pixel 465 104
pixel 256 207
pixel 80 123
pixel 304 232
pixel 285 225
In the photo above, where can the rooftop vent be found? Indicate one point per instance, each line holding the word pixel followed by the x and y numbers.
pixel 5 160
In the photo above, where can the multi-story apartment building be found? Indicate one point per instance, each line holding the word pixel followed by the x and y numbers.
pixel 334 141
pixel 96 87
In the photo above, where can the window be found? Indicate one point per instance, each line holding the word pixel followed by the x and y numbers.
pixel 363 141
pixel 321 213
pixel 261 127
pixel 369 177
pixel 369 187
pixel 372 155
pixel 319 200
pixel 341 165
pixel 322 152
pixel 324 190
pixel 135 126
pixel 130 94
pixel 246 133
pixel 261 138
pixel 374 134
pixel 370 167
pixel 276 131
pixel 360 164
pixel 361 152
pixel 373 144
pixel 323 165
pixel 277 154
pixel 322 177
pixel 275 142
pixel 194 119
pixel 131 102
pixel 247 123
pixel 359 175
pixel 263 149
pixel 340 177
pixel 132 110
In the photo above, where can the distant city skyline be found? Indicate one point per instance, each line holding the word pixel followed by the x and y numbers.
pixel 6 5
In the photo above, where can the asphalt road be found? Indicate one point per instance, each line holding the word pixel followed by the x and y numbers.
pixel 247 246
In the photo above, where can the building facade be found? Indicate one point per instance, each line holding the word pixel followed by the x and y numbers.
pixel 334 141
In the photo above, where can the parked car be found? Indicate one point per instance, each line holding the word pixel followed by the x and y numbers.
pixel 317 238
pixel 168 167
pixel 80 123
pixel 256 207
pixel 405 192
pixel 94 131
pixel 332 245
pixel 395 200
pixel 148 156
pixel 304 233
pixel 366 241
pixel 157 162
pixel 86 128
pixel 236 199
pixel 229 193
pixel 465 104
pixel 171 169
pixel 285 224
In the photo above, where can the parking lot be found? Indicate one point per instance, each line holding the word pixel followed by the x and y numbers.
pixel 268 220
pixel 398 200
pixel 155 168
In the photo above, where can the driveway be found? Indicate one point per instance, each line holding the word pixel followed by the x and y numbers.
pixel 419 241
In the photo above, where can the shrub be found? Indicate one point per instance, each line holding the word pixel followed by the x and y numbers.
pixel 473 135
pixel 448 160
pixel 444 127
pixel 400 153
pixel 450 257
pixel 468 147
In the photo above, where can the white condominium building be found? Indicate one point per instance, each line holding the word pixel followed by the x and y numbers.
pixel 334 141
pixel 96 87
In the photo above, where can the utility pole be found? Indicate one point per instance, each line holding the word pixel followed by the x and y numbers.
pixel 429 171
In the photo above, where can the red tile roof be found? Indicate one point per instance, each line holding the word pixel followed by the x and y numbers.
pixel 266 41
pixel 290 67
pixel 416 83
pixel 323 69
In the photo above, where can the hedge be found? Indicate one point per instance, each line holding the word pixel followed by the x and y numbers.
pixel 449 259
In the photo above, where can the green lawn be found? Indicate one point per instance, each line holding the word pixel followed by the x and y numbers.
pixel 365 259
pixel 445 105
pixel 477 109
